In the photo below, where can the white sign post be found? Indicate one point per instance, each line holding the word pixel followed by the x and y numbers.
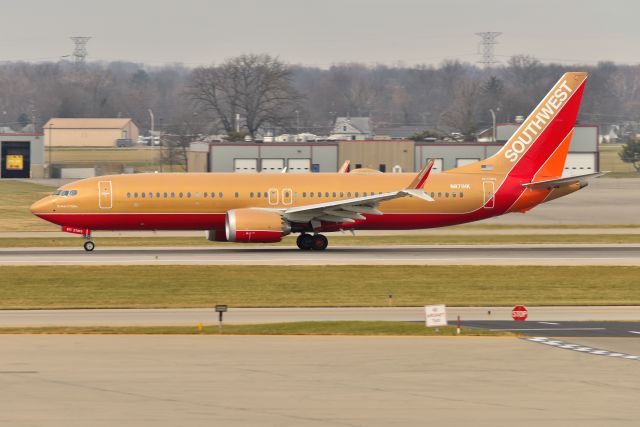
pixel 436 315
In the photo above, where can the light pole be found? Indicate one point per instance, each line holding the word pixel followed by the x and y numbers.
pixel 493 117
pixel 153 121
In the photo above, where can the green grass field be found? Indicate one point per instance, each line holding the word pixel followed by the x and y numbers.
pixel 15 199
pixel 610 161
pixel 313 286
pixel 293 328
pixel 335 240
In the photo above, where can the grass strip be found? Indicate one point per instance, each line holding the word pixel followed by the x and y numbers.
pixel 293 328
pixel 314 286
pixel 338 240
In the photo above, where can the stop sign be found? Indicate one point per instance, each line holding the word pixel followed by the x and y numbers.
pixel 519 313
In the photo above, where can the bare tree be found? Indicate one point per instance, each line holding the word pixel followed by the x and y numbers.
pixel 257 87
pixel 463 112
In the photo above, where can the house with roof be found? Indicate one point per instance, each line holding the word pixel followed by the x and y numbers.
pixel 352 128
pixel 89 132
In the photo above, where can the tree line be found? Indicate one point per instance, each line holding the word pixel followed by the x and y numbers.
pixel 254 94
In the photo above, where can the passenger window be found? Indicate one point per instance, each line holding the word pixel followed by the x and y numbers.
pixel 453 195
pixel 206 194
pixel 220 195
pixel 251 195
pixel 180 194
pixel 304 194
pixel 128 195
pixel 356 195
pixel 446 195
pixel 364 194
pixel 173 195
pixel 150 195
pixel 461 194
pixel 326 194
pixel 237 194
pixel 157 195
pixel 334 194
pixel 259 194
pixel 188 195
pixel 439 194
pixel 311 194
pixel 143 194
pixel 166 194
pixel 213 195
pixel 341 194
pixel 433 194
pixel 135 195
pixel 349 194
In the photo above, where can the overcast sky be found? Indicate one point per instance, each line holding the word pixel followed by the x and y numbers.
pixel 321 32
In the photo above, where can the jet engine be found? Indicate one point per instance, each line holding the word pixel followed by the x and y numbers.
pixel 255 226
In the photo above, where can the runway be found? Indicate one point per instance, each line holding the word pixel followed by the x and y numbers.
pixel 544 254
pixel 191 316
pixel 312 381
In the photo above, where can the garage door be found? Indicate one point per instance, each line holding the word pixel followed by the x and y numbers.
pixel 463 162
pixel 16 160
pixel 437 165
pixel 299 166
pixel 272 165
pixel 580 164
pixel 245 165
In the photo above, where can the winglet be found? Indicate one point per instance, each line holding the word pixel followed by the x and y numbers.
pixel 419 180
pixel 345 167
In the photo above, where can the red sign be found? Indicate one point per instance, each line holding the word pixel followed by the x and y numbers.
pixel 519 313
pixel 76 230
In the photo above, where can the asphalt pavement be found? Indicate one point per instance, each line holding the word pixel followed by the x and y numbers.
pixel 543 254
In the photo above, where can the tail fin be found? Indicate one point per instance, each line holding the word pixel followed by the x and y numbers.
pixel 542 141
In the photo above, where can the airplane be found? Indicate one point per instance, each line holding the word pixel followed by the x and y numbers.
pixel 250 208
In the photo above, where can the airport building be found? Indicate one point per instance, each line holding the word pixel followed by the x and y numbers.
pixel 93 132
pixel 265 157
pixel 397 155
pixel 22 155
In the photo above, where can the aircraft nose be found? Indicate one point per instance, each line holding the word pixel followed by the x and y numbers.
pixel 41 206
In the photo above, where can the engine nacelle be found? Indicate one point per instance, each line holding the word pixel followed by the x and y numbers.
pixel 255 226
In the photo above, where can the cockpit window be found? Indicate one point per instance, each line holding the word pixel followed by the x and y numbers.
pixel 65 193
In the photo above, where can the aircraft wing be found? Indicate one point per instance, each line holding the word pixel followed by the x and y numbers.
pixel 348 210
pixel 553 183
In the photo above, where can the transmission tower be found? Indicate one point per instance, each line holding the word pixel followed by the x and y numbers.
pixel 80 50
pixel 488 42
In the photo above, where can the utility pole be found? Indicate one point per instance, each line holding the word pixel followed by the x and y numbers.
pixel 80 49
pixel 488 42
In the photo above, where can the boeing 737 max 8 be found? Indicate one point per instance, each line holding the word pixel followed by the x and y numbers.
pixel 250 208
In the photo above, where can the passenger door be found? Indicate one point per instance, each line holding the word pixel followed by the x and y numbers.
pixel 105 196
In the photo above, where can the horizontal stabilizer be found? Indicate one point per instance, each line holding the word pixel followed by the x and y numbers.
pixel 554 183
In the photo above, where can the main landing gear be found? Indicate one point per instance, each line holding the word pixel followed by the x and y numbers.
pixel 317 242
pixel 89 246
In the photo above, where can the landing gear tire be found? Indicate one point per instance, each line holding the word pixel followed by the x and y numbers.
pixel 320 243
pixel 304 242
pixel 89 246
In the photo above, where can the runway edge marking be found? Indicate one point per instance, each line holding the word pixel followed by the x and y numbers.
pixel 582 349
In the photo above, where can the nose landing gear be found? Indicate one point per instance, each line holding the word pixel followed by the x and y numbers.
pixel 317 242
